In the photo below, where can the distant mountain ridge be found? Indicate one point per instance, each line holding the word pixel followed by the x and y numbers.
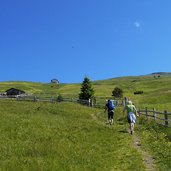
pixel 161 73
pixel 167 74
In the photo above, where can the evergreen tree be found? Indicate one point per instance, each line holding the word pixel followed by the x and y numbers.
pixel 87 91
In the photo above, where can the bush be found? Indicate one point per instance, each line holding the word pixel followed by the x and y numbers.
pixel 138 92
pixel 59 98
pixel 117 92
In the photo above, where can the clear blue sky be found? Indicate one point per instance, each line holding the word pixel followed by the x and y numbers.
pixel 70 39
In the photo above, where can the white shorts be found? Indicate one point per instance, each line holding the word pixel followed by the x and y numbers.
pixel 131 117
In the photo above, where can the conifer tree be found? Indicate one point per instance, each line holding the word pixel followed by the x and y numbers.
pixel 87 91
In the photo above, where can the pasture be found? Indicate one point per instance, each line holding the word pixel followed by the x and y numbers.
pixel 62 136
pixel 70 136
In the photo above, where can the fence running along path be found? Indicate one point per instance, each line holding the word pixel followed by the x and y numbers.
pixel 52 99
pixel 157 116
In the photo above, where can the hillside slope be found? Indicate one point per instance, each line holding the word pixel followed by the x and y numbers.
pixel 156 91
pixel 63 136
pixel 68 136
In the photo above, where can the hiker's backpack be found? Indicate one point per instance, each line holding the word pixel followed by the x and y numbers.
pixel 111 105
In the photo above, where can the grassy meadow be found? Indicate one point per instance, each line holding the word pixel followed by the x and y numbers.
pixel 62 136
pixel 68 136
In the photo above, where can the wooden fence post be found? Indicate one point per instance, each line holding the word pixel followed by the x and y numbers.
pixel 92 103
pixel 52 99
pixel 146 114
pixel 154 114
pixel 166 118
pixel 34 99
pixel 125 101
pixel 89 102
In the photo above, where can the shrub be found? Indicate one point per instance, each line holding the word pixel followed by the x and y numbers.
pixel 60 98
pixel 138 92
pixel 117 92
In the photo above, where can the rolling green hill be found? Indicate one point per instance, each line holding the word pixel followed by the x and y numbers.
pixel 157 91
pixel 69 136
pixel 62 136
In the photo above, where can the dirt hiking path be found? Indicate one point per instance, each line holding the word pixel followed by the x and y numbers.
pixel 148 160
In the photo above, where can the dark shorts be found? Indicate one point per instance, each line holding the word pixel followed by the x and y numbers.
pixel 110 114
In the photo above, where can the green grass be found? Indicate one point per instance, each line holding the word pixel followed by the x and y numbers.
pixel 63 136
pixel 157 140
pixel 67 136
pixel 156 90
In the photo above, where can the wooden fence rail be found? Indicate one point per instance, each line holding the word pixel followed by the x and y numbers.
pixel 163 118
pixel 53 100
pixel 157 116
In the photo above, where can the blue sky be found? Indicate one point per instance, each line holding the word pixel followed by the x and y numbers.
pixel 70 39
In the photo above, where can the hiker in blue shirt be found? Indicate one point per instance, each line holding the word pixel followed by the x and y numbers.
pixel 110 108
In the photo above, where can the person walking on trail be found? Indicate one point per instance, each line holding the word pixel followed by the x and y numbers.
pixel 110 108
pixel 131 112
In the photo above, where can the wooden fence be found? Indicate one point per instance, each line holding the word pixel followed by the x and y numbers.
pixel 99 102
pixel 163 118
pixel 53 100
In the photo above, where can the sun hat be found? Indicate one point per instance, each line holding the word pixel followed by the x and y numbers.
pixel 130 102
